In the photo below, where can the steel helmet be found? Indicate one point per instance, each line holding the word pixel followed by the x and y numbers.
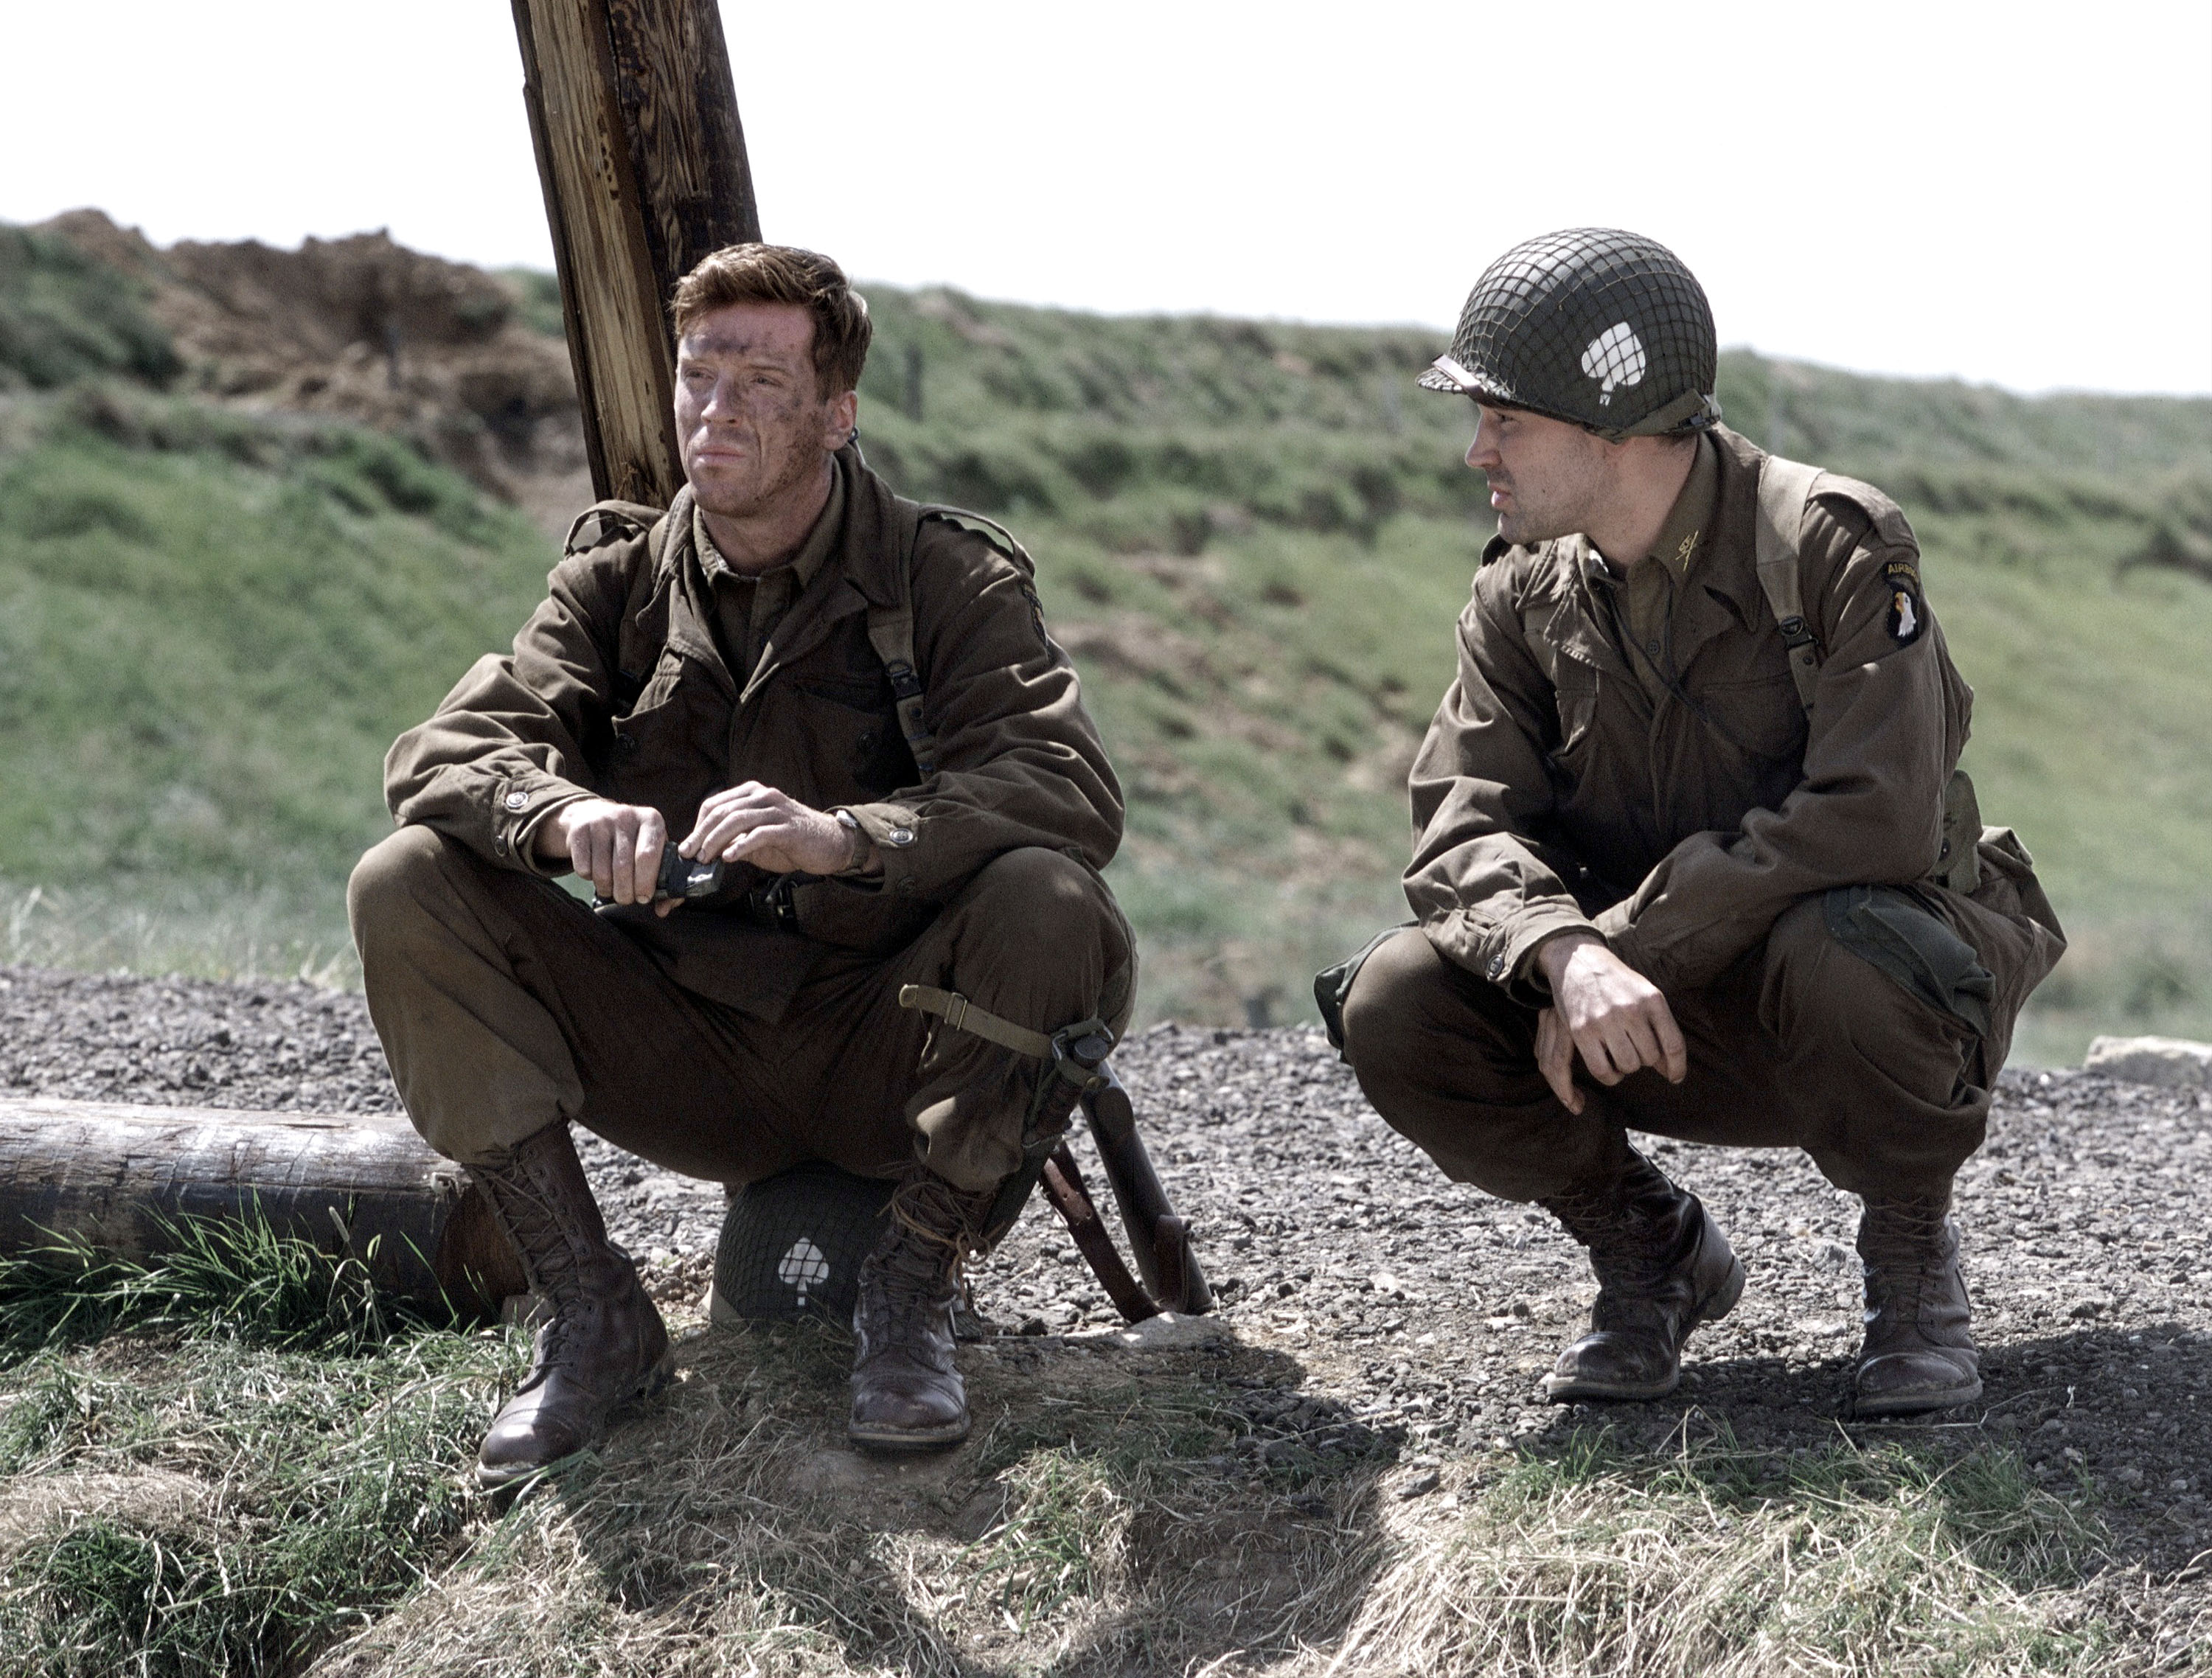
pixel 792 1245
pixel 1593 326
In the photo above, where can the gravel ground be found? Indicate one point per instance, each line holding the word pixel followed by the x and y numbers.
pixel 1415 1304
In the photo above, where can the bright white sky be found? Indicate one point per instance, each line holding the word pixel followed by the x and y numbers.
pixel 2015 193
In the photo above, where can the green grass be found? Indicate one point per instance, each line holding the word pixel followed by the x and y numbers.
pixel 219 1459
pixel 211 628
pixel 64 316
pixel 1253 536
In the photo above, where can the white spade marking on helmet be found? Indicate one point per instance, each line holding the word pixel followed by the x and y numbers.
pixel 1616 356
pixel 804 1267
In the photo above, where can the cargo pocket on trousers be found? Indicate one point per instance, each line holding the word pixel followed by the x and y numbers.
pixel 1885 927
pixel 1333 985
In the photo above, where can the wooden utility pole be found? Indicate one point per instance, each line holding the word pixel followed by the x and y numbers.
pixel 635 118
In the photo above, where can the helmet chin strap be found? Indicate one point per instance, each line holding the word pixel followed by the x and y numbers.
pixel 1692 410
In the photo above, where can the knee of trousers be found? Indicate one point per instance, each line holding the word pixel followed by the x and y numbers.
pixel 1034 909
pixel 391 897
pixel 1413 1027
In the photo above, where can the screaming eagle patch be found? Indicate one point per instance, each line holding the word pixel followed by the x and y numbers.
pixel 1906 614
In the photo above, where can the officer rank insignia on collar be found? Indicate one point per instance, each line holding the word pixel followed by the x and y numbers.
pixel 1906 614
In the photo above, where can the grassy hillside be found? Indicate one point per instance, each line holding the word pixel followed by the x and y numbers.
pixel 1252 537
pixel 210 629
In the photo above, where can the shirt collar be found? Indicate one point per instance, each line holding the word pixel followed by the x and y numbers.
pixel 1690 520
pixel 810 556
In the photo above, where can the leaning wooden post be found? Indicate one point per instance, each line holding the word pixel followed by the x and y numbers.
pixel 635 118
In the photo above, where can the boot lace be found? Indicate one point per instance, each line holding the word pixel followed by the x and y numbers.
pixel 932 1236
pixel 1623 1226
pixel 1903 1246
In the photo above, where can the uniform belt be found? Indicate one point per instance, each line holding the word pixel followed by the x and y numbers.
pixel 769 906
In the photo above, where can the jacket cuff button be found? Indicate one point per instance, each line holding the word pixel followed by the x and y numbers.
pixel 518 801
pixel 1497 968
pixel 901 835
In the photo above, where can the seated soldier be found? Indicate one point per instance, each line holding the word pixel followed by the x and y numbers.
pixel 852 703
pixel 1681 861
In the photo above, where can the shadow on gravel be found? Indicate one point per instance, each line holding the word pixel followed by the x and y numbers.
pixel 1119 1508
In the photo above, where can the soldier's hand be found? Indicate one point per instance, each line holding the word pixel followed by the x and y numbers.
pixel 1603 1009
pixel 770 830
pixel 616 846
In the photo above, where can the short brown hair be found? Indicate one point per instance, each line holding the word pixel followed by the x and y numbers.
pixel 785 274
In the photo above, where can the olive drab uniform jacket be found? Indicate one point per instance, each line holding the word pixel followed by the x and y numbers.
pixel 616 688
pixel 1678 806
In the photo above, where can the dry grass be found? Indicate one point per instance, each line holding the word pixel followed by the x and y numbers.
pixel 1090 1527
pixel 1715 1561
pixel 209 1501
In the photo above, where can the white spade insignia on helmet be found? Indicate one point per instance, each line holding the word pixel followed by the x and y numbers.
pixel 1614 357
pixel 804 1267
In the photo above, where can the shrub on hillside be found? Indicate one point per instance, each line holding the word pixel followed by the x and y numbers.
pixel 65 316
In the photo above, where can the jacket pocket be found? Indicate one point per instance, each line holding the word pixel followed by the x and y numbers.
pixel 850 739
pixel 1763 718
pixel 666 753
pixel 1569 761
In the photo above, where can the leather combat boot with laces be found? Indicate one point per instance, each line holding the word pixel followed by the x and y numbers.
pixel 1919 1350
pixel 604 1344
pixel 1663 1266
pixel 907 1394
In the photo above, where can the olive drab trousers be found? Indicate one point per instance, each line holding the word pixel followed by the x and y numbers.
pixel 1802 1043
pixel 505 1004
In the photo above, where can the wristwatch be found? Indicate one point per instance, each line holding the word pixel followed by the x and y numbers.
pixel 855 858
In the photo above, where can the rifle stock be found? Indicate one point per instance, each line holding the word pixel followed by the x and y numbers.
pixel 1166 1259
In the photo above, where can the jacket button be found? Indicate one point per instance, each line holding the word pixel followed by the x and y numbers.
pixel 902 836
pixel 1496 967
pixel 517 801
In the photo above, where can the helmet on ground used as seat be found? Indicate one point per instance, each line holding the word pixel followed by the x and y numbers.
pixel 792 1245
pixel 1598 327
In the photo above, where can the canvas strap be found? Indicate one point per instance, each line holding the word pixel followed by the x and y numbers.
pixel 1784 487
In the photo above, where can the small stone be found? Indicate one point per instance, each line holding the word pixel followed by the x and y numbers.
pixel 1420 1485
pixel 2170 1063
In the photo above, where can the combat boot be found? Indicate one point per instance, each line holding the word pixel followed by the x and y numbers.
pixel 604 1344
pixel 1919 1349
pixel 1663 1266
pixel 907 1394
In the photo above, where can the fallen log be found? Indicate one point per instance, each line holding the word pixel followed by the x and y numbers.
pixel 116 1180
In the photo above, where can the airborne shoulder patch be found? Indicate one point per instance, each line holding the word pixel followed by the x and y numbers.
pixel 1907 615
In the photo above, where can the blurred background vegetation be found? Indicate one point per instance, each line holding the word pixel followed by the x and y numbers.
pixel 1254 538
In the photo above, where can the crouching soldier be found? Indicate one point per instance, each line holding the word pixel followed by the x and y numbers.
pixel 850 702
pixel 1691 855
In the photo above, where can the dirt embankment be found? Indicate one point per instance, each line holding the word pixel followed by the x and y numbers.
pixel 364 329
